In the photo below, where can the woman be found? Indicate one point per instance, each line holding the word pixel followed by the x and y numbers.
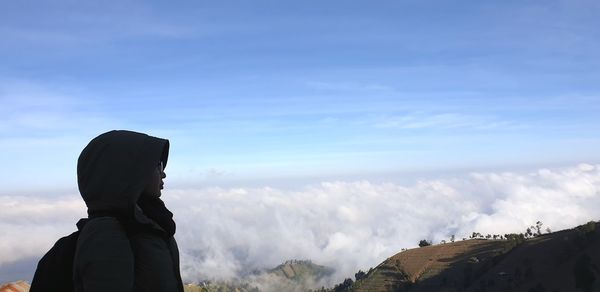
pixel 127 242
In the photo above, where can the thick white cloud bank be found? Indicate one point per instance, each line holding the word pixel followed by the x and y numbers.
pixel 226 232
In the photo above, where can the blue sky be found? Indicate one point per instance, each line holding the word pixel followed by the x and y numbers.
pixel 265 90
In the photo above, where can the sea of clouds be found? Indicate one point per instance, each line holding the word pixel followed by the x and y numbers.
pixel 224 233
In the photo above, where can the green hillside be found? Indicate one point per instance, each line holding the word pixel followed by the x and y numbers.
pixel 301 271
pixel 293 275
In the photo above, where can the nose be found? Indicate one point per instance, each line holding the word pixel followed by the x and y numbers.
pixel 163 174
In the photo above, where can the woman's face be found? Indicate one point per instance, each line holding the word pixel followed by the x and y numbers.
pixel 155 185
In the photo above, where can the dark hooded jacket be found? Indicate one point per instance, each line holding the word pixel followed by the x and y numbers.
pixel 127 242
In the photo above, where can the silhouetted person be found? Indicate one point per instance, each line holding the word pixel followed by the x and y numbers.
pixel 127 242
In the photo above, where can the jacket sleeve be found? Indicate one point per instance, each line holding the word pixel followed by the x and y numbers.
pixel 174 250
pixel 104 260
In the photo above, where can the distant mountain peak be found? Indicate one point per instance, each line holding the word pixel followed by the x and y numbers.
pixel 301 270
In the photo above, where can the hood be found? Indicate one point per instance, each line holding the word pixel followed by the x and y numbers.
pixel 114 168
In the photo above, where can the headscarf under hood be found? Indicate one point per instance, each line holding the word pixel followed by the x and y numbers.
pixel 113 170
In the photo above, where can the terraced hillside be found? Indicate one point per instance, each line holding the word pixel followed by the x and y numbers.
pixel 568 260
pixel 430 266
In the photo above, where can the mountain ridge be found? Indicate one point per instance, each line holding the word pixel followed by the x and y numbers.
pixel 566 260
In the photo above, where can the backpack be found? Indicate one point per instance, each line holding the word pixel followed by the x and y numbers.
pixel 54 271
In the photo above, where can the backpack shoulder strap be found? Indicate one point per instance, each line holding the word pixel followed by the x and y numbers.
pixel 125 223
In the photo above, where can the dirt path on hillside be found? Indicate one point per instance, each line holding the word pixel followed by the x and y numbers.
pixel 434 258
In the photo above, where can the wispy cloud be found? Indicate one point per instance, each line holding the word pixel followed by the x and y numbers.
pixel 348 86
pixel 41 119
pixel 73 26
pixel 30 108
pixel 423 120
